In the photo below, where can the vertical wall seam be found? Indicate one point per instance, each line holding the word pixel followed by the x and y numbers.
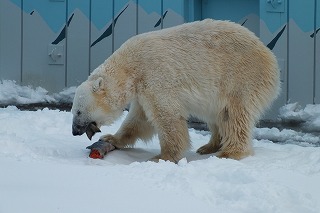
pixel 201 15
pixel 161 14
pixel 113 1
pixel 288 51
pixel 137 17
pixel 314 51
pixel 89 43
pixel 187 12
pixel 21 41
pixel 66 46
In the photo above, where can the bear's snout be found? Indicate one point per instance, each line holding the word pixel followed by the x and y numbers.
pixel 78 129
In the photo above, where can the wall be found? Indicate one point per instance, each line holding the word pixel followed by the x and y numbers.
pixel 57 43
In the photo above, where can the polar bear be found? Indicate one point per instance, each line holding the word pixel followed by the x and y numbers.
pixel 217 71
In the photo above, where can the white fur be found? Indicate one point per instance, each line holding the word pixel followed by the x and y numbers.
pixel 217 71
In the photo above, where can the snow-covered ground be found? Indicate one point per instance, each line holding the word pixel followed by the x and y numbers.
pixel 46 169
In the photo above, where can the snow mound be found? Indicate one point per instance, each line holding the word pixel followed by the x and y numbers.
pixel 287 136
pixel 65 96
pixel 13 94
pixel 309 116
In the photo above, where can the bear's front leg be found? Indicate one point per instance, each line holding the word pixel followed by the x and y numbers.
pixel 134 127
pixel 174 138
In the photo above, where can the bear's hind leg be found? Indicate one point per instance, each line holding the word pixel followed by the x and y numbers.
pixel 235 126
pixel 134 127
pixel 214 143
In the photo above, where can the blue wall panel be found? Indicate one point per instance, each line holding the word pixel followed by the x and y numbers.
pixel 173 13
pixel 244 12
pixel 274 34
pixel 125 18
pixel 101 32
pixel 301 51
pixel 78 42
pixel 10 40
pixel 149 15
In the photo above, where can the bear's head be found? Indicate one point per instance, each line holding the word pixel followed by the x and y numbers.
pixel 91 108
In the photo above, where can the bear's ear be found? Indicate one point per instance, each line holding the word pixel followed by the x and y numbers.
pixel 97 85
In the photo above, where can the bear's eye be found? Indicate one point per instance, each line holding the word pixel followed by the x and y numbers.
pixel 78 113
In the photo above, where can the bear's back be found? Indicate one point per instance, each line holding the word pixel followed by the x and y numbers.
pixel 211 34
pixel 201 61
pixel 210 47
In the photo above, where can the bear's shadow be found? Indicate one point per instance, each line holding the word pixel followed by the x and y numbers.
pixel 130 155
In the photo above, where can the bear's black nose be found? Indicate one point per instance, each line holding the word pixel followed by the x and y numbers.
pixel 78 129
